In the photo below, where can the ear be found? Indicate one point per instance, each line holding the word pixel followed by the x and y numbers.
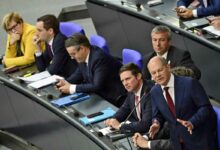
pixel 50 31
pixel 139 76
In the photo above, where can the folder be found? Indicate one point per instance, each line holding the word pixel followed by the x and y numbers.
pixel 106 113
pixel 71 99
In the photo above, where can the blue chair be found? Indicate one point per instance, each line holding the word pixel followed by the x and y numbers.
pixel 99 41
pixel 69 28
pixel 217 110
pixel 129 55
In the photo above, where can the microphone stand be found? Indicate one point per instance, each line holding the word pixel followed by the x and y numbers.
pixel 128 132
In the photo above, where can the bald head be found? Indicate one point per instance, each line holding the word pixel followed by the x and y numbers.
pixel 159 70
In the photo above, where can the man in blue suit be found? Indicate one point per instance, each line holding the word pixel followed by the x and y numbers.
pixel 140 119
pixel 54 57
pixel 204 8
pixel 97 71
pixel 182 102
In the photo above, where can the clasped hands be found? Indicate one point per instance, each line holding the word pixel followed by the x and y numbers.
pixel 184 12
pixel 63 86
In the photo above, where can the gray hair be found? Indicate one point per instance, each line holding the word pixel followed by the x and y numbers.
pixel 162 28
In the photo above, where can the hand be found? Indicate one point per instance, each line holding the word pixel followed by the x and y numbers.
pixel 186 124
pixel 139 141
pixel 36 41
pixel 14 38
pixel 3 60
pixel 154 128
pixel 216 23
pixel 63 86
pixel 185 13
pixel 113 123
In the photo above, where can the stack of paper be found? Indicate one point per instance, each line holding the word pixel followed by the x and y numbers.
pixel 44 82
pixel 35 77
pixel 212 30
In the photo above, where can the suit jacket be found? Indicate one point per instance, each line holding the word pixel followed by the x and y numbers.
pixel 162 139
pixel 202 11
pixel 59 62
pixel 136 125
pixel 191 104
pixel 26 46
pixel 100 76
pixel 175 57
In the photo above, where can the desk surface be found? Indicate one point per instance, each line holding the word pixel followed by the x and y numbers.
pixel 29 114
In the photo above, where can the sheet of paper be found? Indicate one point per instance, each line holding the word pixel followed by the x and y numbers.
pixel 212 30
pixel 35 77
pixel 44 82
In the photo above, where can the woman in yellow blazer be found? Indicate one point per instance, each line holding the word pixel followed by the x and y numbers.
pixel 19 47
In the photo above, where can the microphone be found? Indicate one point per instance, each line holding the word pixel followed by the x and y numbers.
pixel 138 5
pixel 146 93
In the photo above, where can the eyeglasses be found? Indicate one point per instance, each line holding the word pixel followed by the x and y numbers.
pixel 13 27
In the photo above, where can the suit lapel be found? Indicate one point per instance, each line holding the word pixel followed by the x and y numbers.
pixel 178 93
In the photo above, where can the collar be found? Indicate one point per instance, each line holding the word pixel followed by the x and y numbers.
pixel 170 83
pixel 164 55
pixel 139 91
pixel 87 58
pixel 51 42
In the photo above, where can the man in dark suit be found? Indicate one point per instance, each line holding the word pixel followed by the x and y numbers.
pixel 97 71
pixel 182 102
pixel 161 41
pixel 160 142
pixel 54 58
pixel 138 89
pixel 200 8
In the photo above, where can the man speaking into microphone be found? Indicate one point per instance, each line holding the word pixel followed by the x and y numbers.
pixel 137 106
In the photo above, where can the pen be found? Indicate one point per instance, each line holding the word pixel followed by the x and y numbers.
pixel 29 74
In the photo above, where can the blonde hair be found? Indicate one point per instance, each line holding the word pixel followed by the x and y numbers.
pixel 13 16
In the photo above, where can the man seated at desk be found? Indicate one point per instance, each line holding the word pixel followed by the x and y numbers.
pixel 97 71
pixel 54 58
pixel 161 41
pixel 199 8
pixel 138 89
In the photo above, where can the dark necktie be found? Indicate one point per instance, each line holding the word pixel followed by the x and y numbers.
pixel 169 101
pixel 18 49
pixel 138 108
pixel 50 51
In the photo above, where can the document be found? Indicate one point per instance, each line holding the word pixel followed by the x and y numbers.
pixel 212 30
pixel 35 77
pixel 45 81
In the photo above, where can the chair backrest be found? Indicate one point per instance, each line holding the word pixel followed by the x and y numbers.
pixel 217 110
pixel 129 55
pixel 69 28
pixel 99 41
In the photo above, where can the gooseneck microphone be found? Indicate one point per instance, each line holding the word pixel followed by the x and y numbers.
pixel 138 5
pixel 146 93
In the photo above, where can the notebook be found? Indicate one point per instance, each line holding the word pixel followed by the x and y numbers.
pixel 106 113
pixel 71 99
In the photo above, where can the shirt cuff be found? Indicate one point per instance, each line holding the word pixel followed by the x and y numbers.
pixel 72 88
pixel 194 13
pixel 38 53
pixel 149 144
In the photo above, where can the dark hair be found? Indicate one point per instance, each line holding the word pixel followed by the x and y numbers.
pixel 183 71
pixel 77 40
pixel 135 70
pixel 50 21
